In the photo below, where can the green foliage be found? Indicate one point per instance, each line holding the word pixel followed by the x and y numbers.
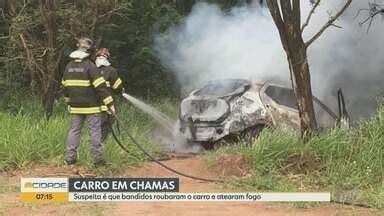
pixel 131 41
pixel 338 160
pixel 126 27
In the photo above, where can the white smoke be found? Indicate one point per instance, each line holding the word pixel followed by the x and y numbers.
pixel 244 43
pixel 211 44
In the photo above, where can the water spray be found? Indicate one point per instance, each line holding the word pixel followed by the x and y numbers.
pixel 147 153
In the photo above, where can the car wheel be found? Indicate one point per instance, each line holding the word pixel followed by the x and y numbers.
pixel 251 133
pixel 208 145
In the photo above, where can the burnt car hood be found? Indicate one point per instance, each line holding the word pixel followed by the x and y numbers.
pixel 211 102
pixel 222 88
pixel 203 109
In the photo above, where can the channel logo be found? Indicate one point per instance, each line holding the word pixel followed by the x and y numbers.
pixel 44 185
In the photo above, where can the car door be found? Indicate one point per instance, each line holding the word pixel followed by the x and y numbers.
pixel 281 105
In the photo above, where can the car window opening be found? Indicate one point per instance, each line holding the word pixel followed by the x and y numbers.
pixel 282 96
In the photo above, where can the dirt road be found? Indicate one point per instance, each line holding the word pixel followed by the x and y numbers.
pixel 10 205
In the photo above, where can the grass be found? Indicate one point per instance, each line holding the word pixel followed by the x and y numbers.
pixel 349 163
pixel 27 137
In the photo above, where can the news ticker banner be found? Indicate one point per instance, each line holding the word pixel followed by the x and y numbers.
pixel 140 189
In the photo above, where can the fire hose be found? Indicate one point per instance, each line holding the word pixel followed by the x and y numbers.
pixel 137 144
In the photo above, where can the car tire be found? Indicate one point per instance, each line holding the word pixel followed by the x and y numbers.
pixel 208 145
pixel 251 133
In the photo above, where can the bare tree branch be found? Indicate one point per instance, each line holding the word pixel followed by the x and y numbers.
pixel 336 26
pixel 3 15
pixel 276 15
pixel 30 59
pixel 109 13
pixel 297 13
pixel 11 59
pixel 316 4
pixel 329 23
pixel 27 50
pixel 373 10
pixel 286 10
pixel 60 55
pixel 26 3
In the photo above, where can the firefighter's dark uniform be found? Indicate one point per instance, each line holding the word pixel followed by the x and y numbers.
pixel 113 81
pixel 85 90
pixel 114 85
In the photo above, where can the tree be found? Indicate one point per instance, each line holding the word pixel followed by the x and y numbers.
pixel 52 57
pixel 39 32
pixel 28 39
pixel 287 18
pixel 131 46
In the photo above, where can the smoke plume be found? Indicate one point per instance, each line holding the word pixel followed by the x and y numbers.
pixel 244 43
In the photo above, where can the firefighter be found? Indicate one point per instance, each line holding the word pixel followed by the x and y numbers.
pixel 87 95
pixel 114 84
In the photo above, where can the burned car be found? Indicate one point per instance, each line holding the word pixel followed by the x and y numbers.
pixel 230 107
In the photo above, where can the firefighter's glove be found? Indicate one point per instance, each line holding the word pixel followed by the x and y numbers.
pixel 112 110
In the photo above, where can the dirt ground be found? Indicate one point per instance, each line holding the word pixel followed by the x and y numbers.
pixel 10 204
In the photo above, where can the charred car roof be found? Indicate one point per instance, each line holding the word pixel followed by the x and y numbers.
pixel 223 87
